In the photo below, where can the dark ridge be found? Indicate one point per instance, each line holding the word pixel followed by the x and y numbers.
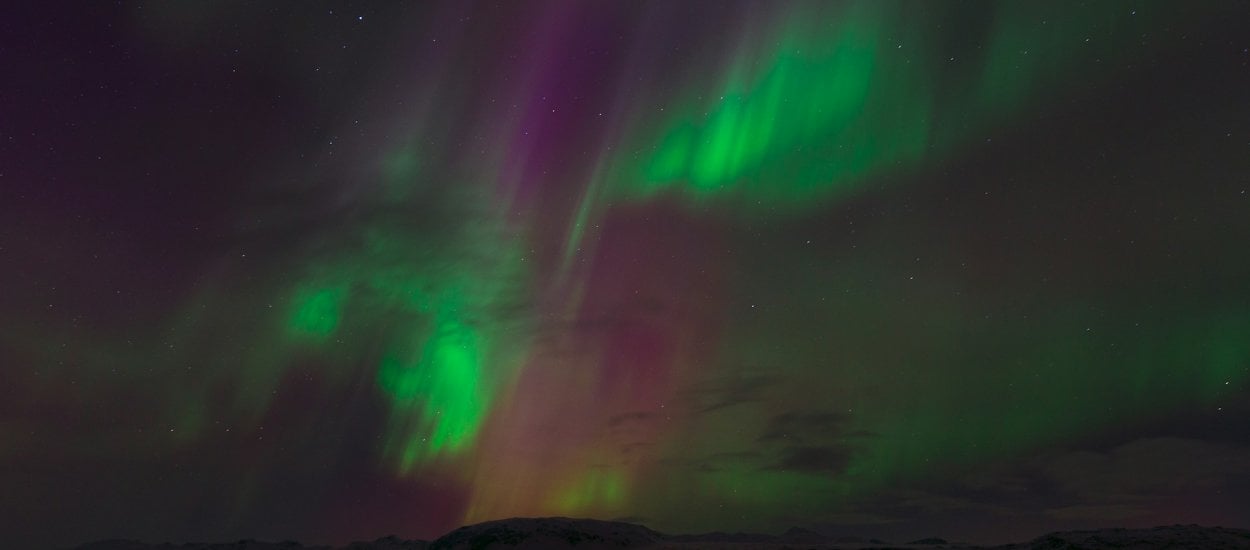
pixel 244 544
pixel 559 532
pixel 391 542
pixel 1170 536
pixel 549 533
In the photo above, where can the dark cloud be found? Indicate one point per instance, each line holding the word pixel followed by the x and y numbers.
pixel 728 460
pixel 813 460
pixel 715 462
pixel 1139 482
pixel 1148 469
pixel 622 419
pixel 733 391
pixel 1131 479
pixel 799 427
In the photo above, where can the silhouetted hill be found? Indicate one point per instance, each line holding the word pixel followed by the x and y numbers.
pixel 1172 536
pixel 557 532
pixel 385 543
pixel 247 544
pixel 389 543
pixel 549 533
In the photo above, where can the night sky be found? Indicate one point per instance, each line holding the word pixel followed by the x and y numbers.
pixel 328 272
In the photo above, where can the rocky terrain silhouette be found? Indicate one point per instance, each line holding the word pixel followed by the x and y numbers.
pixel 557 532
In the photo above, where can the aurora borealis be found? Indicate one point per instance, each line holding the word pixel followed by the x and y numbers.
pixel 892 268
